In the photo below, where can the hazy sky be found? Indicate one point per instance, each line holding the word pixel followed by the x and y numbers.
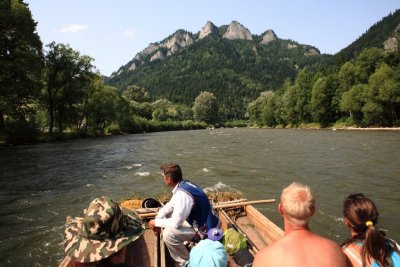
pixel 113 31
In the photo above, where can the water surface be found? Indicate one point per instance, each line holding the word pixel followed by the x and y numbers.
pixel 41 184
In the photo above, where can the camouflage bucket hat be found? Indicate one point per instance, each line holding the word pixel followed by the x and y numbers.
pixel 103 230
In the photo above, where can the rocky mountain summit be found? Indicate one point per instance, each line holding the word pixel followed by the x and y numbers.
pixel 182 39
pixel 384 34
pixel 169 46
pixel 268 37
pixel 237 31
pixel 208 29
pixel 392 43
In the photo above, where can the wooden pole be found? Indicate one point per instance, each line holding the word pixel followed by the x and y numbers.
pixel 225 205
pixel 245 203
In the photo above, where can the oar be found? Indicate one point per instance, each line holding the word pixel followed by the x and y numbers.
pixel 225 205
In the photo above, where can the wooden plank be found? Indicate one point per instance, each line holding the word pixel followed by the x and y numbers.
pixel 145 250
pixel 142 252
pixel 259 230
pixel 163 248
pixel 267 229
pixel 245 203
pixel 165 257
pixel 226 205
pixel 231 201
pixel 146 210
pixel 224 219
pixel 248 228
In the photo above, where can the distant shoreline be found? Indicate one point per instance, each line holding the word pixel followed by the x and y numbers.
pixel 333 128
pixel 392 129
pixel 368 129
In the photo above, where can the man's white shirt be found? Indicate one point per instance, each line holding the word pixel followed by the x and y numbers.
pixel 175 212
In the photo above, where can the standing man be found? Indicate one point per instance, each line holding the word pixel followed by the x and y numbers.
pixel 188 202
pixel 299 247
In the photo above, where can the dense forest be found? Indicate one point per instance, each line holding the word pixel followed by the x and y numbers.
pixel 362 92
pixel 235 71
pixel 56 92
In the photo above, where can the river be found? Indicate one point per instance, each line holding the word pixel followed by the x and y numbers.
pixel 42 184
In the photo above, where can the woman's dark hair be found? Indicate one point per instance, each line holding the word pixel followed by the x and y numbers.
pixel 362 216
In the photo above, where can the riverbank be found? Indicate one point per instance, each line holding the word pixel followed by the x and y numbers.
pixel 369 129
pixel 141 126
pixel 44 138
pixel 314 126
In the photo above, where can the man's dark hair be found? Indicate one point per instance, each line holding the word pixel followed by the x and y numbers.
pixel 172 170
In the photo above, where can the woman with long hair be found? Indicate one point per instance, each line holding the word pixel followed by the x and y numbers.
pixel 367 246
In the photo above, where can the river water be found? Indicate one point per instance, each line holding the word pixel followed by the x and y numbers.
pixel 42 184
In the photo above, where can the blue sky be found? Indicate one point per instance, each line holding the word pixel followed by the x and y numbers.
pixel 113 31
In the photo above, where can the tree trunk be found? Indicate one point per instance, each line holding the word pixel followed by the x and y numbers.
pixel 2 123
pixel 51 112
pixel 394 116
pixel 60 127
pixel 51 124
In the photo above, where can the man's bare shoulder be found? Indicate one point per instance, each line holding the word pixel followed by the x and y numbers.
pixel 325 243
pixel 270 255
pixel 314 251
pixel 324 251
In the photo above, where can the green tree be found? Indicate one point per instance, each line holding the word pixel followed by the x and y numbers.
pixel 144 110
pixel 183 112
pixel 67 76
pixel 267 110
pixel 289 100
pixel 384 90
pixel 324 106
pixel 254 112
pixel 163 110
pixel 279 108
pixel 373 113
pixel 102 108
pixel 303 85
pixel 353 101
pixel 367 61
pixel 262 110
pixel 136 94
pixel 348 76
pixel 205 108
pixel 138 101
pixel 20 60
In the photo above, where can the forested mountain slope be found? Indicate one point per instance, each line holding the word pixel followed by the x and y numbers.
pixel 235 65
pixel 383 34
pixel 228 61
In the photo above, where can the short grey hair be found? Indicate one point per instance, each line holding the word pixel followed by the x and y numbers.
pixel 298 203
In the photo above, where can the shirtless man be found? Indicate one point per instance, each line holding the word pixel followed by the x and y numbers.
pixel 299 247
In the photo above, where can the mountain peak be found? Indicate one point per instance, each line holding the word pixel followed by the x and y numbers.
pixel 237 31
pixel 208 29
pixel 268 36
pixel 178 41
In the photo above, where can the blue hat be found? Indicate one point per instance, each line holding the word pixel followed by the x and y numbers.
pixel 215 234
pixel 208 253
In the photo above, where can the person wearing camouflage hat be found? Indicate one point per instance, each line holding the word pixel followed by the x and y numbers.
pixel 103 230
